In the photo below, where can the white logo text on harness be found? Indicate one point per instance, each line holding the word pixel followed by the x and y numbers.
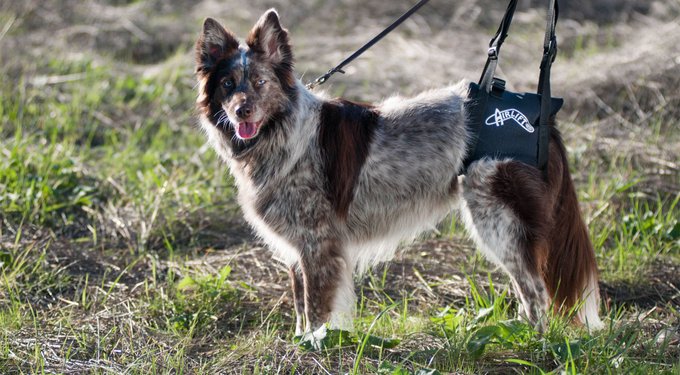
pixel 500 117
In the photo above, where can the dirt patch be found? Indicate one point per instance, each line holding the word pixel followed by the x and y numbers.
pixel 431 272
pixel 659 287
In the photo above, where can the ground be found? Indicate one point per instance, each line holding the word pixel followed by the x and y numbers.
pixel 122 249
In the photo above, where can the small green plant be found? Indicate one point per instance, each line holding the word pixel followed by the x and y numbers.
pixel 197 300
pixel 44 187
pixel 645 231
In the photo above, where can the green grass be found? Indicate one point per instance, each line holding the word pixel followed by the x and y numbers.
pixel 122 251
pixel 133 194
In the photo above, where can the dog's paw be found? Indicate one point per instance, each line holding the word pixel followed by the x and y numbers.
pixel 313 340
pixel 324 338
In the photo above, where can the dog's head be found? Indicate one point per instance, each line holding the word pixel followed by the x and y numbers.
pixel 244 87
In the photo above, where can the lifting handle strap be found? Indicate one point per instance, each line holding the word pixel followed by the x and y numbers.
pixel 549 53
pixel 495 47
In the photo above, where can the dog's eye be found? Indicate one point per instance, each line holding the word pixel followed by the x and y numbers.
pixel 261 82
pixel 228 83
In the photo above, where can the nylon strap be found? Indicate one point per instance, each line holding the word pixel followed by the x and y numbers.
pixel 495 47
pixel 549 53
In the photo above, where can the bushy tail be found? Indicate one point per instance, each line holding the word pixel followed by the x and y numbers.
pixel 571 272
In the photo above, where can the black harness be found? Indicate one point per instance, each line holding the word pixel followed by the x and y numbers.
pixel 513 125
pixel 503 124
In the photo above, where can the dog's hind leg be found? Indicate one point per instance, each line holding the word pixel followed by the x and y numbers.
pixel 505 210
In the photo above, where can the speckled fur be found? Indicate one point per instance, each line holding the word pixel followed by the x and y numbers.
pixel 404 182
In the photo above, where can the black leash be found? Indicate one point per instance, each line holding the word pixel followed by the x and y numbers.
pixel 366 46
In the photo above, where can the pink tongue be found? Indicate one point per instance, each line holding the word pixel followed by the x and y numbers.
pixel 247 129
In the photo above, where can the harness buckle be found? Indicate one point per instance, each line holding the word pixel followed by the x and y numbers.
pixel 550 50
pixel 493 53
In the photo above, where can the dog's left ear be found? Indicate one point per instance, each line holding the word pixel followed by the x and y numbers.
pixel 270 39
pixel 214 44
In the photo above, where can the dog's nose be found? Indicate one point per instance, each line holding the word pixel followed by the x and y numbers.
pixel 243 111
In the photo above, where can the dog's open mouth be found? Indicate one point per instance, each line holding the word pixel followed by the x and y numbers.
pixel 248 130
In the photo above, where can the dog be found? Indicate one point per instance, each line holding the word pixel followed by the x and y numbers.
pixel 333 187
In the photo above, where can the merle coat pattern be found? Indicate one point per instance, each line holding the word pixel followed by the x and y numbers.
pixel 333 186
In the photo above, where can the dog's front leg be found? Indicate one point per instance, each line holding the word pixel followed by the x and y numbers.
pixel 297 285
pixel 323 267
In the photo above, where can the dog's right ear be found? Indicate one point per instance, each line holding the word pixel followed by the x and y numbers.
pixel 270 39
pixel 215 44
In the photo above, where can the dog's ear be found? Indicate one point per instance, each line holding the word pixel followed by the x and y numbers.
pixel 270 39
pixel 214 44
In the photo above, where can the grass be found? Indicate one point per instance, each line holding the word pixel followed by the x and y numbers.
pixel 122 249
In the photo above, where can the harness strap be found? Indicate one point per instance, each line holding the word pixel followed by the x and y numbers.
pixel 323 78
pixel 549 53
pixel 485 81
pixel 495 46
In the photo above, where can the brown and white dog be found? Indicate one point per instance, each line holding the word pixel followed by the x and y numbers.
pixel 333 186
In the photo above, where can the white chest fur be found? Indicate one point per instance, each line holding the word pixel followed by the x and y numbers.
pixel 247 197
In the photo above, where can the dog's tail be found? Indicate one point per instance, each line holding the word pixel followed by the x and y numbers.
pixel 571 271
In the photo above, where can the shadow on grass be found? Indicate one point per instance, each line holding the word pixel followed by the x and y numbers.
pixel 659 287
